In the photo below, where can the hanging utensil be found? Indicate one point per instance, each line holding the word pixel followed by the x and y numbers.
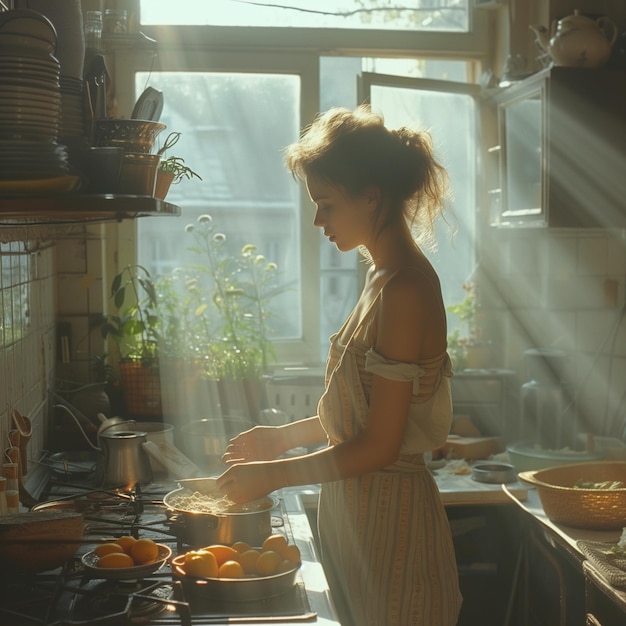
pixel 25 429
pixel 170 140
pixel 97 78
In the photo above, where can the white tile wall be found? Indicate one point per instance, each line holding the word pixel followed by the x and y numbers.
pixel 28 318
pixel 564 289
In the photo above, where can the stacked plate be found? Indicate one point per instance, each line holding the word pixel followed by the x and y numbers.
pixel 30 98
pixel 72 123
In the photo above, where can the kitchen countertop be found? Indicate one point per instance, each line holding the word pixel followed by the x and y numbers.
pixel 461 489
pixel 296 500
pixel 568 537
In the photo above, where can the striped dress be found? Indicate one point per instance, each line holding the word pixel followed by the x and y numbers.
pixel 386 544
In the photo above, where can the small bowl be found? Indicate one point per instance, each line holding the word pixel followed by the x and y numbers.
pixel 90 561
pixel 495 473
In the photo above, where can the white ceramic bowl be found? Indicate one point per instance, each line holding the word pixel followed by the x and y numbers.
pixel 526 456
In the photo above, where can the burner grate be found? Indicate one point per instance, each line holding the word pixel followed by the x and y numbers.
pixel 71 597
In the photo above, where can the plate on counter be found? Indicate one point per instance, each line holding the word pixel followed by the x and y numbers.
pixel 90 561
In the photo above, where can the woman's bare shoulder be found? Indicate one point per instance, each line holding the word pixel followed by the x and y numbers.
pixel 412 281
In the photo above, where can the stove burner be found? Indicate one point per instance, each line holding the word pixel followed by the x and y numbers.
pixel 132 599
pixel 72 597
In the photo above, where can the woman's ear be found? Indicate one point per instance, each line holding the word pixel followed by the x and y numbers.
pixel 372 195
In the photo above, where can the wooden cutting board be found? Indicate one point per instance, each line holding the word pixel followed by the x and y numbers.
pixel 34 541
pixel 471 448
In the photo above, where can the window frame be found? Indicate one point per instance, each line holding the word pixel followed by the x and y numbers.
pixel 273 50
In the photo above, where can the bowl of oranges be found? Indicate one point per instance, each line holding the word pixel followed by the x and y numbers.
pixel 126 558
pixel 240 572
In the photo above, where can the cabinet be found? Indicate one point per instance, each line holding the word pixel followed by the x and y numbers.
pixel 561 150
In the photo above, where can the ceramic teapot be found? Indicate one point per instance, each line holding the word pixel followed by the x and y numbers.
pixel 578 41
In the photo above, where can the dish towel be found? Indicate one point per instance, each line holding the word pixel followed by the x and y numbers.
pixel 611 566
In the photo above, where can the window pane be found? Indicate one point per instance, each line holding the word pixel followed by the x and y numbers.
pixel 450 120
pixel 425 15
pixel 233 130
pixel 339 271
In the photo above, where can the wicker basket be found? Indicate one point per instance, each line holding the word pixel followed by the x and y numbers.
pixel 597 509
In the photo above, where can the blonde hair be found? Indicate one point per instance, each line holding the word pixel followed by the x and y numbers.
pixel 354 149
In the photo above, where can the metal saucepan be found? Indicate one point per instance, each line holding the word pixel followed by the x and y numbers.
pixel 251 522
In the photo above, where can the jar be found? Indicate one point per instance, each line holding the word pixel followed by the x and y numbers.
pixel 3 497
pixel 115 21
pixel 92 28
pixel 10 472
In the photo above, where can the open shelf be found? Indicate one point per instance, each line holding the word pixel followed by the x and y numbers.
pixel 73 208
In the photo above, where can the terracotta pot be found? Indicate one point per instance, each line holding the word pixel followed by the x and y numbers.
pixel 162 185
pixel 141 387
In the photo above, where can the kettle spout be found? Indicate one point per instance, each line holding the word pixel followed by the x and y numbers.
pixel 542 36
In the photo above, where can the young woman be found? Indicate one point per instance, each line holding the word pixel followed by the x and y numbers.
pixel 386 545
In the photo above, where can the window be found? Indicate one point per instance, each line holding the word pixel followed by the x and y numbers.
pixel 450 115
pixel 366 14
pixel 237 106
pixel 233 128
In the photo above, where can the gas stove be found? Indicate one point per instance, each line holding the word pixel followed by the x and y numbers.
pixel 72 596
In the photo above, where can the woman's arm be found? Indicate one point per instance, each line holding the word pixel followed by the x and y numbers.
pixel 407 315
pixel 264 443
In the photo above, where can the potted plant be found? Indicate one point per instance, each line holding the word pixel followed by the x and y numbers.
pixel 171 170
pixel 470 350
pixel 135 331
pixel 203 324
pixel 219 308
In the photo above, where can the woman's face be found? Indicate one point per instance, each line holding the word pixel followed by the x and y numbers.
pixel 345 219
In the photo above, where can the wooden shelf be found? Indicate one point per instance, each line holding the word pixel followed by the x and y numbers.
pixel 76 208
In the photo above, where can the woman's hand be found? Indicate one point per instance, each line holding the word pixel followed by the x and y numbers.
pixel 247 481
pixel 261 443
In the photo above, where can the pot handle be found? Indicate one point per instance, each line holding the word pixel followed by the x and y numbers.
pixel 213 521
pixel 277 522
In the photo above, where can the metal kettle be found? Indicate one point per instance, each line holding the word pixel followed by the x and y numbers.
pixel 122 459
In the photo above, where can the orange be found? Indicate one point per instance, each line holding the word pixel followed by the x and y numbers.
pixel 107 548
pixel 248 560
pixel 241 546
pixel 285 566
pixel 115 559
pixel 126 542
pixel 268 562
pixel 277 543
pixel 292 554
pixel 200 563
pixel 230 569
pixel 144 551
pixel 223 553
